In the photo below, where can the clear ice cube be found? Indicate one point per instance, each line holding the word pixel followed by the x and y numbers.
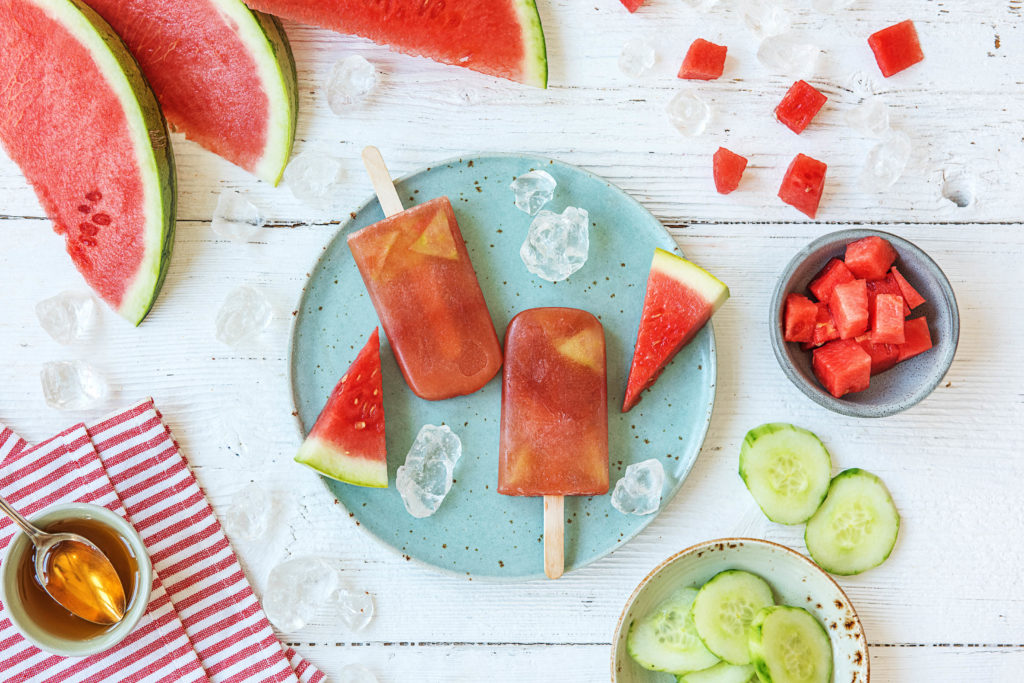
pixel 788 56
pixel 886 162
pixel 638 492
pixel 828 6
pixel 533 190
pixel 637 57
pixel 68 316
pixel 236 218
pixel 314 178
pixel 689 113
pixel 557 244
pixel 870 117
pixel 248 518
pixel 73 385
pixel 244 314
pixel 354 608
pixel 766 18
pixel 351 81
pixel 296 589
pixel 429 470
pixel 357 673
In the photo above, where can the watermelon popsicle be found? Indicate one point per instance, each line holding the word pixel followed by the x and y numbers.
pixel 422 284
pixel 554 415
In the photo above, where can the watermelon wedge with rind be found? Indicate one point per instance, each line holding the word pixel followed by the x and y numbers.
pixel 502 38
pixel 347 441
pixel 681 298
pixel 91 140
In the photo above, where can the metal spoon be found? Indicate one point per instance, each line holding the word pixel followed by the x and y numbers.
pixel 74 572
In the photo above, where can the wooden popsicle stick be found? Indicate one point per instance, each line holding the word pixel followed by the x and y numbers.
pixel 554 536
pixel 387 195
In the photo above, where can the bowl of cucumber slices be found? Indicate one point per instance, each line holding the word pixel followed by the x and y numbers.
pixel 736 610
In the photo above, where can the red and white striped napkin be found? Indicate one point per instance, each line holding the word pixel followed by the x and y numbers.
pixel 210 601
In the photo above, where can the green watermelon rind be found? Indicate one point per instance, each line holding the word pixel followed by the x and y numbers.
pixel 330 461
pixel 690 275
pixel 535 64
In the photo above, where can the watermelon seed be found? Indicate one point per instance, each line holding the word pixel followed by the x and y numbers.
pixel 93 196
pixel 101 219
pixel 360 425
pixel 355 401
pixel 87 229
pixel 88 241
pixel 84 208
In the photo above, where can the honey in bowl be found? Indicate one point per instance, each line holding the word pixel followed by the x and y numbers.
pixel 50 616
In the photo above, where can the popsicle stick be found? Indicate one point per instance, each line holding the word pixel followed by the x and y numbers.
pixel 554 536
pixel 381 179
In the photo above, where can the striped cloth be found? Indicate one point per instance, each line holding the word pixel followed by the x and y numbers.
pixel 209 597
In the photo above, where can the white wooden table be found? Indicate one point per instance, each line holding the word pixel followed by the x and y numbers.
pixel 947 606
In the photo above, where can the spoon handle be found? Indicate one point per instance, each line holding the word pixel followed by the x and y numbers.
pixel 26 526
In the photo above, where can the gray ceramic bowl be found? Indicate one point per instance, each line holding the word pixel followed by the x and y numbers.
pixel 909 382
pixel 795 580
pixel 45 640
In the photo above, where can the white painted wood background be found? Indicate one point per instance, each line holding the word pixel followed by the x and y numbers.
pixel 947 606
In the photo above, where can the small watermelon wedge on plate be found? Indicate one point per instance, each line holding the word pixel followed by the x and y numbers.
pixel 347 441
pixel 681 298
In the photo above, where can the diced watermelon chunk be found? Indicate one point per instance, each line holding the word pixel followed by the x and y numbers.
pixel 824 328
pixel 801 315
pixel 911 296
pixel 728 170
pixel 803 184
pixel 842 367
pixel 834 273
pixel 633 5
pixel 883 356
pixel 896 48
pixel 849 308
pixel 886 286
pixel 918 338
pixel 704 61
pixel 801 104
pixel 887 325
pixel 870 257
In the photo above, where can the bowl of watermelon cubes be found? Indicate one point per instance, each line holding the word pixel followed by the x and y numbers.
pixel 864 322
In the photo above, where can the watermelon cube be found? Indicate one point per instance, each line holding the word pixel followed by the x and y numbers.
pixel 799 106
pixel 849 308
pixel 803 184
pixel 887 320
pixel 883 356
pixel 704 61
pixel 911 296
pixel 842 367
pixel 918 338
pixel 633 5
pixel 886 286
pixel 896 48
pixel 834 273
pixel 728 170
pixel 870 257
pixel 800 318
pixel 824 327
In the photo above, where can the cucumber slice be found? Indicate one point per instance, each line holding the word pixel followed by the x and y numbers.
pixel 724 608
pixel 855 528
pixel 787 470
pixel 666 640
pixel 788 645
pixel 723 672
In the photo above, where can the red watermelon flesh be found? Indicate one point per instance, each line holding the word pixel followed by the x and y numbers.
pixel 896 48
pixel 704 61
pixel 918 338
pixel 803 184
pixel 728 168
pixel 887 317
pixel 911 296
pixel 800 318
pixel 834 273
pixel 883 356
pixel 842 367
pixel 824 328
pixel 849 308
pixel 799 106
pixel 501 38
pixel 886 286
pixel 870 257
pixel 633 5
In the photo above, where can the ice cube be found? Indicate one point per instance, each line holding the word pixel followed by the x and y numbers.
pixel 236 218
pixel 557 244
pixel 243 315
pixel 429 470
pixel 354 608
pixel 351 81
pixel 248 518
pixel 68 316
pixel 765 18
pixel 637 57
pixel 296 589
pixel 314 178
pixel 886 162
pixel 828 6
pixel 788 56
pixel 73 385
pixel 638 492
pixel 533 190
pixel 357 673
pixel 689 113
pixel 870 117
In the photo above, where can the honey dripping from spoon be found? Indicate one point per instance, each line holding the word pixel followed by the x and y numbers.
pixel 83 580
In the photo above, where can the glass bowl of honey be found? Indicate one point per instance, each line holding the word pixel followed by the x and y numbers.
pixel 44 622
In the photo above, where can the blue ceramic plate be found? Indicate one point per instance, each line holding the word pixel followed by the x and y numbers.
pixel 476 531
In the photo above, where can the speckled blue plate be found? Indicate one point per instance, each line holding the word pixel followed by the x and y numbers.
pixel 478 532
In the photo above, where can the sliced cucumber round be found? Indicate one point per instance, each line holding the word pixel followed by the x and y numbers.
pixel 786 469
pixel 788 645
pixel 855 528
pixel 723 672
pixel 724 608
pixel 666 640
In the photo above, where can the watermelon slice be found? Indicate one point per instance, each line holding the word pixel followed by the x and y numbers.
pixel 800 319
pixel 842 367
pixel 347 441
pixel 911 296
pixel 834 273
pixel 728 168
pixel 800 105
pixel 849 308
pixel 887 320
pixel 918 339
pixel 896 48
pixel 870 257
pixel 681 297
pixel 224 75
pixel 501 38
pixel 77 117
pixel 704 61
